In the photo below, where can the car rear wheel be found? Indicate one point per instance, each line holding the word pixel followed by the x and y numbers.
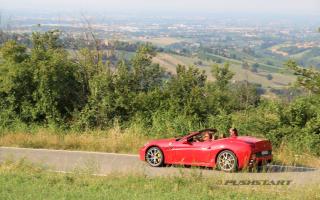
pixel 227 161
pixel 154 157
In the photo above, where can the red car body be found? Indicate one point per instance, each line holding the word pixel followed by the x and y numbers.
pixel 248 150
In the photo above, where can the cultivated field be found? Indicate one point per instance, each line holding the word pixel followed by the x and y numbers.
pixel 170 61
pixel 159 41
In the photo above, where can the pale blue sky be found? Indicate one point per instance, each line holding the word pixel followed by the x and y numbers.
pixel 209 6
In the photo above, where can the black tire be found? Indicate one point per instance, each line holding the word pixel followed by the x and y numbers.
pixel 227 161
pixel 154 157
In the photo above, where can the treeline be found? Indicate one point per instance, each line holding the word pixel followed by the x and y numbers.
pixel 44 85
pixel 75 42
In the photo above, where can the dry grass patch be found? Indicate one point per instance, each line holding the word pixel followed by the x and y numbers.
pixel 288 157
pixel 112 140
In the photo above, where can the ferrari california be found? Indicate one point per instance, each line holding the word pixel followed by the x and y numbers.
pixel 226 154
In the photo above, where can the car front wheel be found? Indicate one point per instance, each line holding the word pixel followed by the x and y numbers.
pixel 227 161
pixel 154 157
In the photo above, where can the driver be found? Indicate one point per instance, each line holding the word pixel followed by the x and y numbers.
pixel 207 136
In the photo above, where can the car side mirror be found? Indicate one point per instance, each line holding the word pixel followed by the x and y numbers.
pixel 187 141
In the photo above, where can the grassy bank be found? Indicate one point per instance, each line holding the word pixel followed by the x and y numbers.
pixel 23 181
pixel 118 140
pixel 113 140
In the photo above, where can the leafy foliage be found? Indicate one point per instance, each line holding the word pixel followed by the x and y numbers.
pixel 45 85
pixel 40 85
pixel 307 78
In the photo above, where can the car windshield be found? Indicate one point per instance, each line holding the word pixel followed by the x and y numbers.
pixel 198 136
pixel 178 138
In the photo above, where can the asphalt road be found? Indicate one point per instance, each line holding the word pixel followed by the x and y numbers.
pixel 99 163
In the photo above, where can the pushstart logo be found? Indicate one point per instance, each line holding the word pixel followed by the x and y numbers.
pixel 254 182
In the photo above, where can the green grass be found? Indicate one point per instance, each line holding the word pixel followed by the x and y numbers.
pixel 23 181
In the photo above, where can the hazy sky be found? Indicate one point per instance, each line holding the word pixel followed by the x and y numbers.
pixel 179 6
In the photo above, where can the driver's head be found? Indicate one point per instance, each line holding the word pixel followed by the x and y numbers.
pixel 207 136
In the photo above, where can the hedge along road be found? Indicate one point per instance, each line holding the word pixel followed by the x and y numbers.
pixel 99 163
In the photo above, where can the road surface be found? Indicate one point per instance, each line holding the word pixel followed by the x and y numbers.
pixel 99 163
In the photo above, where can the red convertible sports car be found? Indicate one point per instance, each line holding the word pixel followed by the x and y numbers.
pixel 226 154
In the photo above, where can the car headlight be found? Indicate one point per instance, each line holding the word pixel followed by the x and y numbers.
pixel 145 144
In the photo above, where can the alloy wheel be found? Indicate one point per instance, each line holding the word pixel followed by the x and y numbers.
pixel 227 161
pixel 154 157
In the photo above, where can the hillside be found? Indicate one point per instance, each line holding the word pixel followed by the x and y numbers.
pixel 170 61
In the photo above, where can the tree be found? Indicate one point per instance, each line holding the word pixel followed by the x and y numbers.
pixel 244 95
pixel 121 93
pixel 254 67
pixel 307 78
pixel 145 74
pixel 269 77
pixel 13 52
pixel 57 92
pixel 186 92
pixel 41 85
pixel 16 80
pixel 245 65
pixel 222 75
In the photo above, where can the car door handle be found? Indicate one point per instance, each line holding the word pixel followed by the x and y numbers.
pixel 206 148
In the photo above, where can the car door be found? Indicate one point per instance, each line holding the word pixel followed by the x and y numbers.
pixel 202 151
pixel 182 152
pixel 191 153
